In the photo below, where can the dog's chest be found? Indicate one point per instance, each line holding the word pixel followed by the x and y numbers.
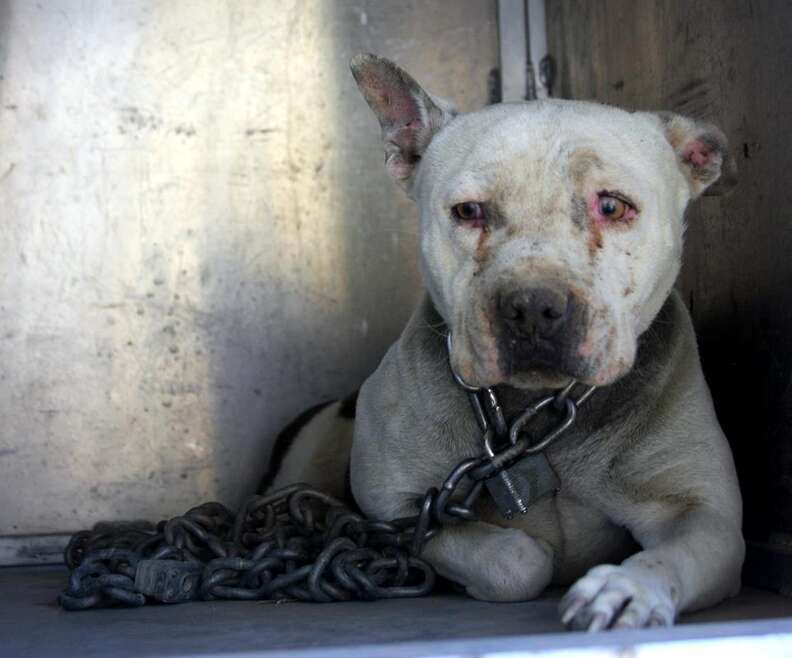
pixel 574 465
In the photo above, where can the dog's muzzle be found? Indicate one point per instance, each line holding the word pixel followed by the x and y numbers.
pixel 540 328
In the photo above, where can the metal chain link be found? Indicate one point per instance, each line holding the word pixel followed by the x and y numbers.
pixel 297 543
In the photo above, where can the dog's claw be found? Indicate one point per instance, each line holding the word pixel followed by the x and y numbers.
pixel 598 622
pixel 575 606
pixel 656 621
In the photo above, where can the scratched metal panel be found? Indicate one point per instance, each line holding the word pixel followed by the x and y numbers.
pixel 198 239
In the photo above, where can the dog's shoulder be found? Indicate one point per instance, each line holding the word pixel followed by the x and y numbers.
pixel 412 420
pixel 414 371
pixel 667 354
pixel 670 447
pixel 636 420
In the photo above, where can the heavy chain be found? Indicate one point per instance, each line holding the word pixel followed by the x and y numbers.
pixel 297 543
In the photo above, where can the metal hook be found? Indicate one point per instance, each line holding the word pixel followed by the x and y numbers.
pixel 457 377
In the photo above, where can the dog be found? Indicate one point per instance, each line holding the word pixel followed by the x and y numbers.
pixel 551 237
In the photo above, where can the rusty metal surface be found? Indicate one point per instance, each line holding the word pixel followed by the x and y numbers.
pixel 198 239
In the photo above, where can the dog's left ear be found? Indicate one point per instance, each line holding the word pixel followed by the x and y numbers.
pixel 702 153
pixel 408 115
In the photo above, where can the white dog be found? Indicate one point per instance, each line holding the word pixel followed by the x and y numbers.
pixel 551 236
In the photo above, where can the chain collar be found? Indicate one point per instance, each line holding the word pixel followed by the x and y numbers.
pixel 489 415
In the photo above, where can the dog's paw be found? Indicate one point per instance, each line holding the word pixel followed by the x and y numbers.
pixel 508 566
pixel 617 597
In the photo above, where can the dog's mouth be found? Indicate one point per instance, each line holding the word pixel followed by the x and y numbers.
pixel 539 359
pixel 539 338
pixel 535 374
pixel 518 364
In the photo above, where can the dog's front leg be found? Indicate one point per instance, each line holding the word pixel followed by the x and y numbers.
pixel 491 563
pixel 690 562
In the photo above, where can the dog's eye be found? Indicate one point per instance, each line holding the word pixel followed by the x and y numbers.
pixel 612 208
pixel 469 211
pixel 615 209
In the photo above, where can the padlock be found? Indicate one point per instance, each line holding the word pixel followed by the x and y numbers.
pixel 518 487
pixel 168 581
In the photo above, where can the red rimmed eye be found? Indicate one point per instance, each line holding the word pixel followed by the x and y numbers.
pixel 613 208
pixel 469 212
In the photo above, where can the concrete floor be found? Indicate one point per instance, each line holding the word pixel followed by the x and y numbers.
pixel 31 624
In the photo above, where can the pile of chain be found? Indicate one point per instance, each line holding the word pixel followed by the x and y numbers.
pixel 295 544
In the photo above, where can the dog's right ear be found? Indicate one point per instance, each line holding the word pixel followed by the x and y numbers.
pixel 408 115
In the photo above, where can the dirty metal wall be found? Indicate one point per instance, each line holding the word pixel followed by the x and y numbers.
pixel 197 237
pixel 727 61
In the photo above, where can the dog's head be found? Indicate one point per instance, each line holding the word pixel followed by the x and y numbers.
pixel 551 231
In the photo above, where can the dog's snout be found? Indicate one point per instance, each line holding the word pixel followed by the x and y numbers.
pixel 540 326
pixel 533 312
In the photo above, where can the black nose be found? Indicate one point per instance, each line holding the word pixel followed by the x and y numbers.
pixel 533 312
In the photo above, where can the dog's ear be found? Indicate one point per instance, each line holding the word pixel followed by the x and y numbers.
pixel 702 152
pixel 408 115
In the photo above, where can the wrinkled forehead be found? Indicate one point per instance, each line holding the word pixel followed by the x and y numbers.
pixel 555 142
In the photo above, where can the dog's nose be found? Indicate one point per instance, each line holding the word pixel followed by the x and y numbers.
pixel 533 312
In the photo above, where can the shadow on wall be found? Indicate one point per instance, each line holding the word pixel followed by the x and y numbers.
pixel 314 271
